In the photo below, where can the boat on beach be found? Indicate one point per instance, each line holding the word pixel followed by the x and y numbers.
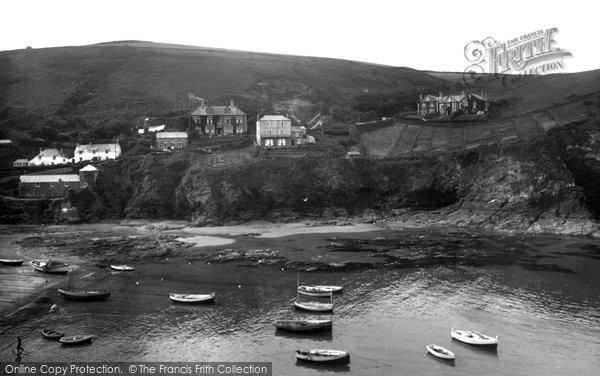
pixel 304 325
pixel 322 356
pixel 84 295
pixel 474 338
pixel 313 306
pixel 76 340
pixel 193 298
pixel 11 262
pixel 440 352
pixel 52 334
pixel 319 291
pixel 49 266
pixel 122 268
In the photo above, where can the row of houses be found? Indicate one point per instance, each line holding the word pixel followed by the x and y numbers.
pixel 82 153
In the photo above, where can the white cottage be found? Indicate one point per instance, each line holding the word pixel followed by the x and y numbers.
pixel 49 157
pixel 96 152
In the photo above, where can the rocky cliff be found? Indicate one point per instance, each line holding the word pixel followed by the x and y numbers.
pixel 545 186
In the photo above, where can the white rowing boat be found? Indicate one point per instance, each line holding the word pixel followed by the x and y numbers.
pixel 440 352
pixel 474 338
pixel 323 356
pixel 122 268
pixel 320 290
pixel 48 266
pixel 193 298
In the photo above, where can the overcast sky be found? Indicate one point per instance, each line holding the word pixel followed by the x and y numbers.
pixel 418 34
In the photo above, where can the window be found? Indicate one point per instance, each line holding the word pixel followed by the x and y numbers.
pixel 227 120
pixel 239 120
pixel 281 132
pixel 268 142
pixel 281 142
pixel 268 132
pixel 80 152
pixel 66 184
pixel 53 157
pixel 106 151
pixel 209 120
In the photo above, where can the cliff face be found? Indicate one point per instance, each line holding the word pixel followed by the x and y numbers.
pixel 548 186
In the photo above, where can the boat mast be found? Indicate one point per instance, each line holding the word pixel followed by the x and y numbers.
pixel 297 286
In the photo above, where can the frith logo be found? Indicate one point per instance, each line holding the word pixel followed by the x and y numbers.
pixel 530 54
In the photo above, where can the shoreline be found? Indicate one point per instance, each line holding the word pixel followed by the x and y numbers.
pixel 310 246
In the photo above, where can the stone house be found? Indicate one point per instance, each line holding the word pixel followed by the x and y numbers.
pixel 56 185
pixel 219 120
pixel 171 140
pixel 445 105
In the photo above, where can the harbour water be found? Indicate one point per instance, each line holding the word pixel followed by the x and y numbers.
pixel 543 304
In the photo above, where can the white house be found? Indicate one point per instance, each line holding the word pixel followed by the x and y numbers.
pixel 49 157
pixel 274 131
pixel 96 152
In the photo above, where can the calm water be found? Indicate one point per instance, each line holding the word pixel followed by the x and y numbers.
pixel 543 304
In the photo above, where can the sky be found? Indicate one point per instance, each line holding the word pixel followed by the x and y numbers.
pixel 426 35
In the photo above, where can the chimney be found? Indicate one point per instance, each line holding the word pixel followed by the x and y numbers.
pixel 420 97
pixel 201 102
pixel 231 104
pixel 441 94
pixel 482 95
pixel 462 93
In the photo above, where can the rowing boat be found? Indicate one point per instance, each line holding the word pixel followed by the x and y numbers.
pixel 48 266
pixel 76 340
pixel 193 298
pixel 84 295
pixel 323 356
pixel 313 306
pixel 474 338
pixel 11 262
pixel 52 334
pixel 320 291
pixel 440 352
pixel 122 268
pixel 304 325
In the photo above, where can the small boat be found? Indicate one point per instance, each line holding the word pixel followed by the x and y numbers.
pixel 440 352
pixel 323 356
pixel 193 298
pixel 323 291
pixel 52 334
pixel 314 306
pixel 474 338
pixel 76 340
pixel 48 266
pixel 84 295
pixel 11 262
pixel 304 325
pixel 122 268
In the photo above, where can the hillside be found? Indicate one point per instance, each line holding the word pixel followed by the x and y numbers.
pixel 91 86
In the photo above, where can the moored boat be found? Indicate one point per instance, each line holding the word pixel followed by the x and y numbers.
pixel 11 262
pixel 48 266
pixel 314 306
pixel 193 298
pixel 474 338
pixel 76 340
pixel 84 295
pixel 323 356
pixel 304 325
pixel 440 352
pixel 122 268
pixel 52 334
pixel 321 290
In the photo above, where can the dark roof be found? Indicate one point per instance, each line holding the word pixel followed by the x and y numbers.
pixel 218 111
